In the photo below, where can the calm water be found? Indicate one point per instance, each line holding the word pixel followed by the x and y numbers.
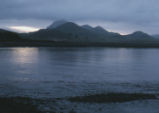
pixel 54 72
pixel 63 72
pixel 79 64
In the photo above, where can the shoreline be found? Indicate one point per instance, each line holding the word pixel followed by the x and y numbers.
pixel 31 105
pixel 72 44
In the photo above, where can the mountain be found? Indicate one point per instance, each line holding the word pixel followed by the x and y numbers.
pixel 155 36
pixel 99 29
pixel 138 34
pixel 56 24
pixel 139 37
pixel 8 36
pixel 88 27
pixel 72 33
pixel 68 33
pixel 69 27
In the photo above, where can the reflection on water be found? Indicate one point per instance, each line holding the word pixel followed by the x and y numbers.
pixel 47 69
pixel 25 55
pixel 79 64
pixel 50 73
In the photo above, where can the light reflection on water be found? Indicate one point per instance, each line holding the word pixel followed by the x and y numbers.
pixel 63 69
pixel 24 55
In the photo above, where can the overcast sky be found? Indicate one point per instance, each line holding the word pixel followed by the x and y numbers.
pixel 123 16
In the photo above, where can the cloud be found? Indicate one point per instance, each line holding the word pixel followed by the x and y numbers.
pixel 133 14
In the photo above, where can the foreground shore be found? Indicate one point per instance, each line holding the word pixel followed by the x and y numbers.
pixel 17 105
pixel 29 105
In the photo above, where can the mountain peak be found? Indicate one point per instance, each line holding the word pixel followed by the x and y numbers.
pixel 139 33
pixel 69 26
pixel 87 26
pixel 56 24
pixel 100 29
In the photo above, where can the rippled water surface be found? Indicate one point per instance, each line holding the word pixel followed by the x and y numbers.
pixel 62 72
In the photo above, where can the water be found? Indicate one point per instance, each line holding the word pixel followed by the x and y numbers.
pixel 64 72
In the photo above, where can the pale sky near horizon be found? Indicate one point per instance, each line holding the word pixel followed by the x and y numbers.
pixel 123 16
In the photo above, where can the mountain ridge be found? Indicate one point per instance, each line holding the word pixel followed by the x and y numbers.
pixel 56 24
pixel 70 33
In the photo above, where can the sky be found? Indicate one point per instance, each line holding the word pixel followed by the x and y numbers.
pixel 122 16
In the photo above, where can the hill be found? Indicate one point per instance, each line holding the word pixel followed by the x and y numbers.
pixel 6 36
pixel 64 33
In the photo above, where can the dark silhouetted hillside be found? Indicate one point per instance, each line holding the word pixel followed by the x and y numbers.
pixel 8 36
pixel 64 33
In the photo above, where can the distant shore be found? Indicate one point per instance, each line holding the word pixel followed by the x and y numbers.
pixel 74 44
